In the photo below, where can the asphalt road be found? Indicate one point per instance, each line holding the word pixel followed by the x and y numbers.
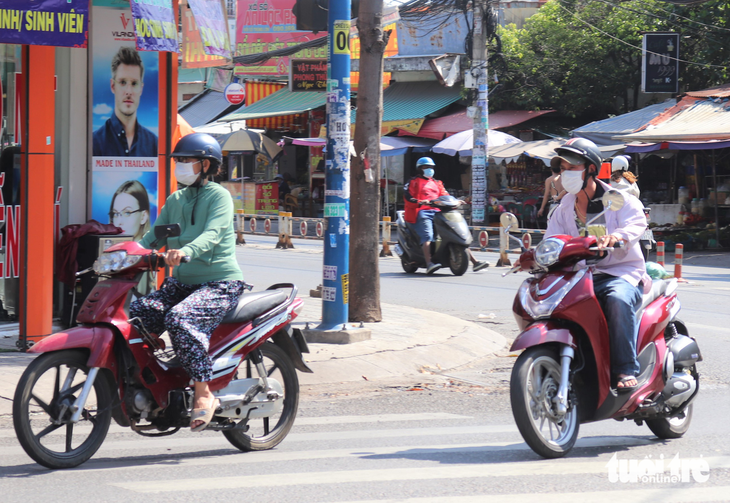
pixel 449 441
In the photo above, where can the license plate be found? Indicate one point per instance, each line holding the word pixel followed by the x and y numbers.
pixel 648 235
pixel 398 250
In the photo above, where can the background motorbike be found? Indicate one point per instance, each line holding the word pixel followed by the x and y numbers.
pixel 450 246
pixel 112 367
pixel 562 378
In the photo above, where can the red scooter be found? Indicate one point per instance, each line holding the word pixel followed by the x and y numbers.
pixel 112 367
pixel 563 376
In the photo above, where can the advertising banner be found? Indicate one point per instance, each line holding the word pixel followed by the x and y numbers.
pixel 267 26
pixel 59 23
pixel 194 55
pixel 212 25
pixel 307 75
pixel 155 26
pixel 124 122
pixel 659 68
pixel 267 198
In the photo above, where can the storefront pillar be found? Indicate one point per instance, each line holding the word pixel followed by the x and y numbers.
pixel 37 192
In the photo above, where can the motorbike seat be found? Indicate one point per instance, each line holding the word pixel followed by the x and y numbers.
pixel 658 288
pixel 251 305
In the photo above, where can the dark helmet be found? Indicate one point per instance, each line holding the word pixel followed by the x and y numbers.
pixel 580 150
pixel 200 146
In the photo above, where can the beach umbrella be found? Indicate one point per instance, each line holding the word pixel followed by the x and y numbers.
pixel 462 142
pixel 247 140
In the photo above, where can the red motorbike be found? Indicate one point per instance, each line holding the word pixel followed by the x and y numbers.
pixel 111 367
pixel 563 376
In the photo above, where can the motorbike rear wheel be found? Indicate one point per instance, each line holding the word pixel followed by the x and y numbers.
pixel 41 414
pixel 671 427
pixel 260 436
pixel 533 386
pixel 458 259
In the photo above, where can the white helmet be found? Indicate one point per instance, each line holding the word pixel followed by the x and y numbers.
pixel 619 163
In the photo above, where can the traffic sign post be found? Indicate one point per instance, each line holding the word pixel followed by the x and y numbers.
pixel 335 284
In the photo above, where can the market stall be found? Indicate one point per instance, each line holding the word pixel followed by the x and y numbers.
pixel 517 177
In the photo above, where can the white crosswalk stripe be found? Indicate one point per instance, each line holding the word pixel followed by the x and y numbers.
pixel 333 454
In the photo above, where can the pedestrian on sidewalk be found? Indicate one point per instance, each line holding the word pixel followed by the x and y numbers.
pixel 554 190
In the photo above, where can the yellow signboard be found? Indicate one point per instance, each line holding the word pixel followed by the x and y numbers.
pixel 341 38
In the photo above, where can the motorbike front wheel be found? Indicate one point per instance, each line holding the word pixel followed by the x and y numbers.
pixel 458 259
pixel 268 432
pixel 42 415
pixel 533 386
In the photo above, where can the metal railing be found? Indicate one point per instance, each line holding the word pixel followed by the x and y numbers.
pixel 288 227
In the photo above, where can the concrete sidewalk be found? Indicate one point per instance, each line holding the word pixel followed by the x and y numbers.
pixel 407 343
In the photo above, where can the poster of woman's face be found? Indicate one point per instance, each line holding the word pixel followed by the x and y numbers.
pixel 125 202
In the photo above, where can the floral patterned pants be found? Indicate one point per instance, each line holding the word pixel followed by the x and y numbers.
pixel 190 314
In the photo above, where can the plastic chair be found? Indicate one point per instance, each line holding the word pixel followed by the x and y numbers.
pixel 291 204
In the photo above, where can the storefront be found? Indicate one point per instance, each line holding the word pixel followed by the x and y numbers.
pixel 59 91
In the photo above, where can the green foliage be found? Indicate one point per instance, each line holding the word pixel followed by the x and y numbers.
pixel 559 60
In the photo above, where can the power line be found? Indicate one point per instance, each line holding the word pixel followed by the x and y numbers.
pixel 722 28
pixel 661 18
pixel 705 65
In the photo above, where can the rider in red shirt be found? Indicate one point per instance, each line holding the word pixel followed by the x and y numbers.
pixel 417 193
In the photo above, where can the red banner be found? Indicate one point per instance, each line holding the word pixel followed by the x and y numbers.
pixel 194 55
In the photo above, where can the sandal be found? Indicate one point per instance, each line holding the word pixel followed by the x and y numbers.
pixel 205 415
pixel 625 388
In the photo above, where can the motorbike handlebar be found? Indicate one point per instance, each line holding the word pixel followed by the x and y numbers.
pixel 157 260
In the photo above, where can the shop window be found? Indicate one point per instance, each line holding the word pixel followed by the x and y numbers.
pixel 10 178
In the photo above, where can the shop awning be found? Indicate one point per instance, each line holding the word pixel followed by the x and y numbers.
pixel 541 149
pixel 447 125
pixel 640 148
pixel 389 145
pixel 703 120
pixel 282 102
pixel 399 145
pixel 407 104
pixel 602 132
pixel 206 107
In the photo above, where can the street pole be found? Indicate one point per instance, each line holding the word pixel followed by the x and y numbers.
pixel 335 285
pixel 480 151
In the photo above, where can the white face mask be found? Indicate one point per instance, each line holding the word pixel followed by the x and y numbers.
pixel 572 180
pixel 185 173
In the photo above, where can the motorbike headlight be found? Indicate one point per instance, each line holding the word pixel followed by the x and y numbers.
pixel 548 251
pixel 114 261
pixel 130 260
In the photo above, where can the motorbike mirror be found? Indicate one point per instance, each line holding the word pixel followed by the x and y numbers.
pixel 167 231
pixel 613 200
pixel 508 220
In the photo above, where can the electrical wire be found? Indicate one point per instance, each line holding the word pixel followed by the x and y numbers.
pixel 656 16
pixel 260 57
pixel 705 65
pixel 674 14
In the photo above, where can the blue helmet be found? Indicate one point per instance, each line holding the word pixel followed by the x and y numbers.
pixel 425 161
pixel 199 146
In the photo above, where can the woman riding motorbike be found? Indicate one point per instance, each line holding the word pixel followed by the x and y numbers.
pixel 192 303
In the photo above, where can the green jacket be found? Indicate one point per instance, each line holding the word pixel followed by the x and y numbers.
pixel 210 242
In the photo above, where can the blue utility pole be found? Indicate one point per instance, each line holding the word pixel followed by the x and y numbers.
pixel 335 285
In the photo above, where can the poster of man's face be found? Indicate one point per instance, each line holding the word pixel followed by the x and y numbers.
pixel 122 127
pixel 127 84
